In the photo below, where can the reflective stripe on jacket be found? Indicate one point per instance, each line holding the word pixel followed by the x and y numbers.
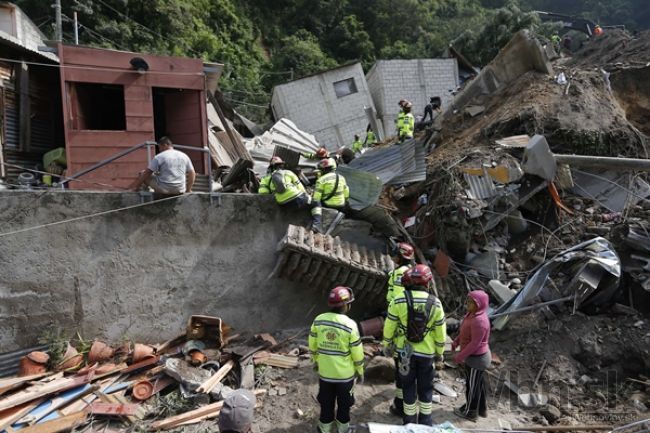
pixel 356 146
pixel 292 186
pixel 397 319
pixel 265 185
pixel 405 125
pixel 395 287
pixel 335 346
pixel 325 186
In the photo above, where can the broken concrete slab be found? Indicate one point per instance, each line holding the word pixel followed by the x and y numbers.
pixel 538 159
pixel 181 371
pixel 500 291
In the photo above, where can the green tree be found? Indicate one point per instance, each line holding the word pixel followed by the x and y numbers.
pixel 301 54
pixel 349 41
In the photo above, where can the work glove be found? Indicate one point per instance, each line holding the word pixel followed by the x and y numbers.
pixel 439 362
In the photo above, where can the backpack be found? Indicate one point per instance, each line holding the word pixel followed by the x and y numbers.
pixel 277 178
pixel 416 325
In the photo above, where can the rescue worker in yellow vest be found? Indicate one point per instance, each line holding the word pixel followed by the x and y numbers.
pixel 404 260
pixel 415 328
pixel 335 347
pixel 371 139
pixel 405 122
pixel 284 184
pixel 331 190
pixel 357 146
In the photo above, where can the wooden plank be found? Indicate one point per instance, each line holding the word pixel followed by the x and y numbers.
pixel 41 389
pixel 14 382
pixel 209 384
pixel 57 425
pixel 138 107
pixel 205 412
pixel 128 78
pixel 139 124
pixel 10 416
pixel 119 409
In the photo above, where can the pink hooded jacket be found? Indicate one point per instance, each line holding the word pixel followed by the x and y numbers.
pixel 474 335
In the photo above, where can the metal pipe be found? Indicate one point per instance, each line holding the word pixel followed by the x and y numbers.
pixel 611 163
pixel 57 16
pixel 108 160
pixel 76 28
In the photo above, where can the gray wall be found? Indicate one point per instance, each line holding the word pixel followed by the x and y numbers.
pixel 313 106
pixel 416 80
pixel 141 272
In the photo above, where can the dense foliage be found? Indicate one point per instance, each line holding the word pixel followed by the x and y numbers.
pixel 263 43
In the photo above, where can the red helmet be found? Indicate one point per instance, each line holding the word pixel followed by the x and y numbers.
pixel 340 296
pixel 405 250
pixel 276 160
pixel 420 275
pixel 322 153
pixel 406 278
pixel 327 163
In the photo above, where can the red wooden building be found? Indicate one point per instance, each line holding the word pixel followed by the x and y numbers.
pixel 113 100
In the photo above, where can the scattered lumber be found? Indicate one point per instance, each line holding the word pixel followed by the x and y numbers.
pixel 275 360
pixel 115 409
pixel 57 425
pixel 42 389
pixel 209 384
pixel 10 416
pixel 563 428
pixel 15 382
pixel 196 415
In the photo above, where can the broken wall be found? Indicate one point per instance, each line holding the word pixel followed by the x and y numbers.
pixel 141 272
pixel 314 106
pixel 416 80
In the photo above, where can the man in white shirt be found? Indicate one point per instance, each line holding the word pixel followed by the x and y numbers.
pixel 170 172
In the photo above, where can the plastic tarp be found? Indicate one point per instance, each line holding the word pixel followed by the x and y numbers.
pixel 365 187
pixel 445 427
pixel 595 269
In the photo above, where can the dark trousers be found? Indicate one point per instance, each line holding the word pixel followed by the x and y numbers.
pixel 475 392
pixel 303 201
pixel 398 402
pixel 418 388
pixel 337 395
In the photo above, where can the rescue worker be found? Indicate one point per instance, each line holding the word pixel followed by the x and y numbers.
pixel 284 184
pixel 403 259
pixel 319 154
pixel 356 146
pixel 336 349
pixel 415 329
pixel 405 122
pixel 433 106
pixel 331 190
pixel 371 139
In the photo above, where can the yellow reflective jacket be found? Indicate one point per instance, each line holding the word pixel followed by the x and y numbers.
pixel 357 146
pixel 397 319
pixel 324 187
pixel 370 138
pixel 265 185
pixel 395 287
pixel 405 125
pixel 292 186
pixel 335 346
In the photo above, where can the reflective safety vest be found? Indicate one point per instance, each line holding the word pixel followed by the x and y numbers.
pixel 405 125
pixel 324 190
pixel 397 319
pixel 370 138
pixel 395 287
pixel 335 345
pixel 356 146
pixel 265 185
pixel 292 186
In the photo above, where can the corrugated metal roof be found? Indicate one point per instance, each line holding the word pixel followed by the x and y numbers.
pixel 480 187
pixel 388 162
pixel 420 172
pixel 17 43
pixel 365 187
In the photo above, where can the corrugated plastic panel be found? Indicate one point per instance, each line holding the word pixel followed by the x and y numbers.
pixel 420 172
pixel 11 119
pixel 365 187
pixel 480 187
pixel 388 162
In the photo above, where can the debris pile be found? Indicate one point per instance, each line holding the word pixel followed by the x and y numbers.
pixel 180 382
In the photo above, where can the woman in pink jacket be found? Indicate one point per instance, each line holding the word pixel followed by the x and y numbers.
pixel 473 341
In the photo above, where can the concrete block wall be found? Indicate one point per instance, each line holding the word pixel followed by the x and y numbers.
pixel 311 103
pixel 416 80
pixel 140 273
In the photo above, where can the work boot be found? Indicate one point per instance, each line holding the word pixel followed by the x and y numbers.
pixel 483 413
pixel 462 413
pixel 396 410
pixel 317 224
